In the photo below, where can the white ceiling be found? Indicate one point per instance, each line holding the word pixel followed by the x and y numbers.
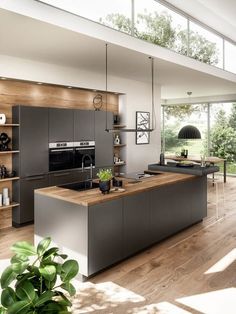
pixel 218 14
pixel 27 38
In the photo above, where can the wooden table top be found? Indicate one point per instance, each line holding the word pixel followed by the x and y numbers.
pixel 210 159
pixel 94 196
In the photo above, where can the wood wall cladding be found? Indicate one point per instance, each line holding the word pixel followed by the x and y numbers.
pixel 32 94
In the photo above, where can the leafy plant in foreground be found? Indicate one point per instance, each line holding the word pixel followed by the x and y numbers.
pixel 36 287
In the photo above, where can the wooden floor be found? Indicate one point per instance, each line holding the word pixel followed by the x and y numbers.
pixel 175 276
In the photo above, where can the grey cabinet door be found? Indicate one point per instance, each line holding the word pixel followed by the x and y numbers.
pixel 104 235
pixel 33 140
pixel 25 212
pixel 84 129
pixel 103 140
pixel 136 213
pixel 63 177
pixel 61 125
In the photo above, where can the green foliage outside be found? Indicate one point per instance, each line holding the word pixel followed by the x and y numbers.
pixel 38 285
pixel 158 29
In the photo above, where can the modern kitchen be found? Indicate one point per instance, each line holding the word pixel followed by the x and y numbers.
pixel 67 123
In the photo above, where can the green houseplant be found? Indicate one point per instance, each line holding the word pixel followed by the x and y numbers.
pixel 36 286
pixel 105 176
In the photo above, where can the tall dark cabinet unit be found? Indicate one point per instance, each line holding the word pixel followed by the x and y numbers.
pixel 103 140
pixel 84 121
pixel 61 126
pixel 31 138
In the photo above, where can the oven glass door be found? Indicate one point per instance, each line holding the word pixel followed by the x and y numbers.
pixel 80 152
pixel 61 159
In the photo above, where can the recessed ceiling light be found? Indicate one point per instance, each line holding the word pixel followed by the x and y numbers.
pixel 94 90
pixel 3 78
pixel 39 83
pixel 69 86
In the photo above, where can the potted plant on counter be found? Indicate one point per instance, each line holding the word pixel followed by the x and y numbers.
pixel 35 280
pixel 105 176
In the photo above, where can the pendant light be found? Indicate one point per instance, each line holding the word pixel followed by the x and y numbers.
pixel 116 130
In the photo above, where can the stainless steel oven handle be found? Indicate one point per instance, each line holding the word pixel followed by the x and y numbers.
pixel 84 148
pixel 62 150
pixel 61 174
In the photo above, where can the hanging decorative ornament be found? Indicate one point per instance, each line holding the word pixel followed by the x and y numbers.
pixel 97 102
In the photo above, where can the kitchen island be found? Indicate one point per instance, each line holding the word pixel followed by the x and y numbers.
pixel 100 230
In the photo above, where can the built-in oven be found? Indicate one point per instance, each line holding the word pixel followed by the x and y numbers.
pixel 61 156
pixel 84 154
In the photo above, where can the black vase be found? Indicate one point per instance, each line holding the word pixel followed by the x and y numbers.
pixel 105 186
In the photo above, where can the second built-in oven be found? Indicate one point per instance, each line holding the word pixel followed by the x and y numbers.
pixel 61 156
pixel 84 154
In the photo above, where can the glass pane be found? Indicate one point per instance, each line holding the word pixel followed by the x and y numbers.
pixel 178 116
pixel 223 133
pixel 115 13
pixel 161 26
pixel 230 60
pixel 205 46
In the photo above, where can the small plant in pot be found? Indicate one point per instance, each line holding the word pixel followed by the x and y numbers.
pixel 35 285
pixel 105 176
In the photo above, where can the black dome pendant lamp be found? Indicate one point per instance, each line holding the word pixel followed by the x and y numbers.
pixel 153 109
pixel 189 132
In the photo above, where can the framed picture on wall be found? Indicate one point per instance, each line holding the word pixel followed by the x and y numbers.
pixel 142 124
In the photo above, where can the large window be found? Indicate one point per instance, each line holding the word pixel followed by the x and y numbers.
pixel 159 25
pixel 154 22
pixel 175 117
pixel 217 124
pixel 205 46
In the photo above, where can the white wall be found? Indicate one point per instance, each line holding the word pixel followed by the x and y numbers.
pixel 137 98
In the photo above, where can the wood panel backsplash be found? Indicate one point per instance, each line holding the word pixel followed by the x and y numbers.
pixel 32 94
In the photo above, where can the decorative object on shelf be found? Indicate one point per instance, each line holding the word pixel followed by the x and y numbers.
pixel 97 102
pixel 162 159
pixel 5 197
pixel 4 141
pixel 3 172
pixel 117 182
pixel 117 140
pixel 112 130
pixel 184 153
pixel 142 123
pixel 189 132
pixel 22 291
pixel 116 119
pixel 1 200
pixel 2 118
pixel 105 176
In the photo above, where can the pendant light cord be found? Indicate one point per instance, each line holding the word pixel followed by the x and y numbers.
pixel 106 88
pixel 153 107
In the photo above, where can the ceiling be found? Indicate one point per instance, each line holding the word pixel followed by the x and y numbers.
pixel 218 14
pixel 35 40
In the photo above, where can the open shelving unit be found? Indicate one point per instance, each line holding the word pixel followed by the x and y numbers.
pixel 6 160
pixel 117 149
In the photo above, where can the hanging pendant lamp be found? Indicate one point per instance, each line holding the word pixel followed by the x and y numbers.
pixel 116 130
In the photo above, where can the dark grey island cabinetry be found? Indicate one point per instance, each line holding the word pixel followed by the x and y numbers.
pixel 100 230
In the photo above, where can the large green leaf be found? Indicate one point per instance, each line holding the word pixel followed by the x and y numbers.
pixel 69 288
pixel 50 253
pixel 7 277
pixel 43 245
pixel 46 296
pixel 24 248
pixel 8 297
pixel 52 307
pixel 19 259
pixel 3 311
pixel 19 268
pixel 64 300
pixel 25 291
pixel 20 307
pixel 69 270
pixel 48 272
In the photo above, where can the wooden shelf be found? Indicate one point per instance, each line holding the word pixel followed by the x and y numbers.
pixel 9 152
pixel 119 145
pixel 118 165
pixel 13 204
pixel 9 124
pixel 118 126
pixel 9 179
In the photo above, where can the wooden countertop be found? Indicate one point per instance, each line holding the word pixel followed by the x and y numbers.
pixel 94 196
